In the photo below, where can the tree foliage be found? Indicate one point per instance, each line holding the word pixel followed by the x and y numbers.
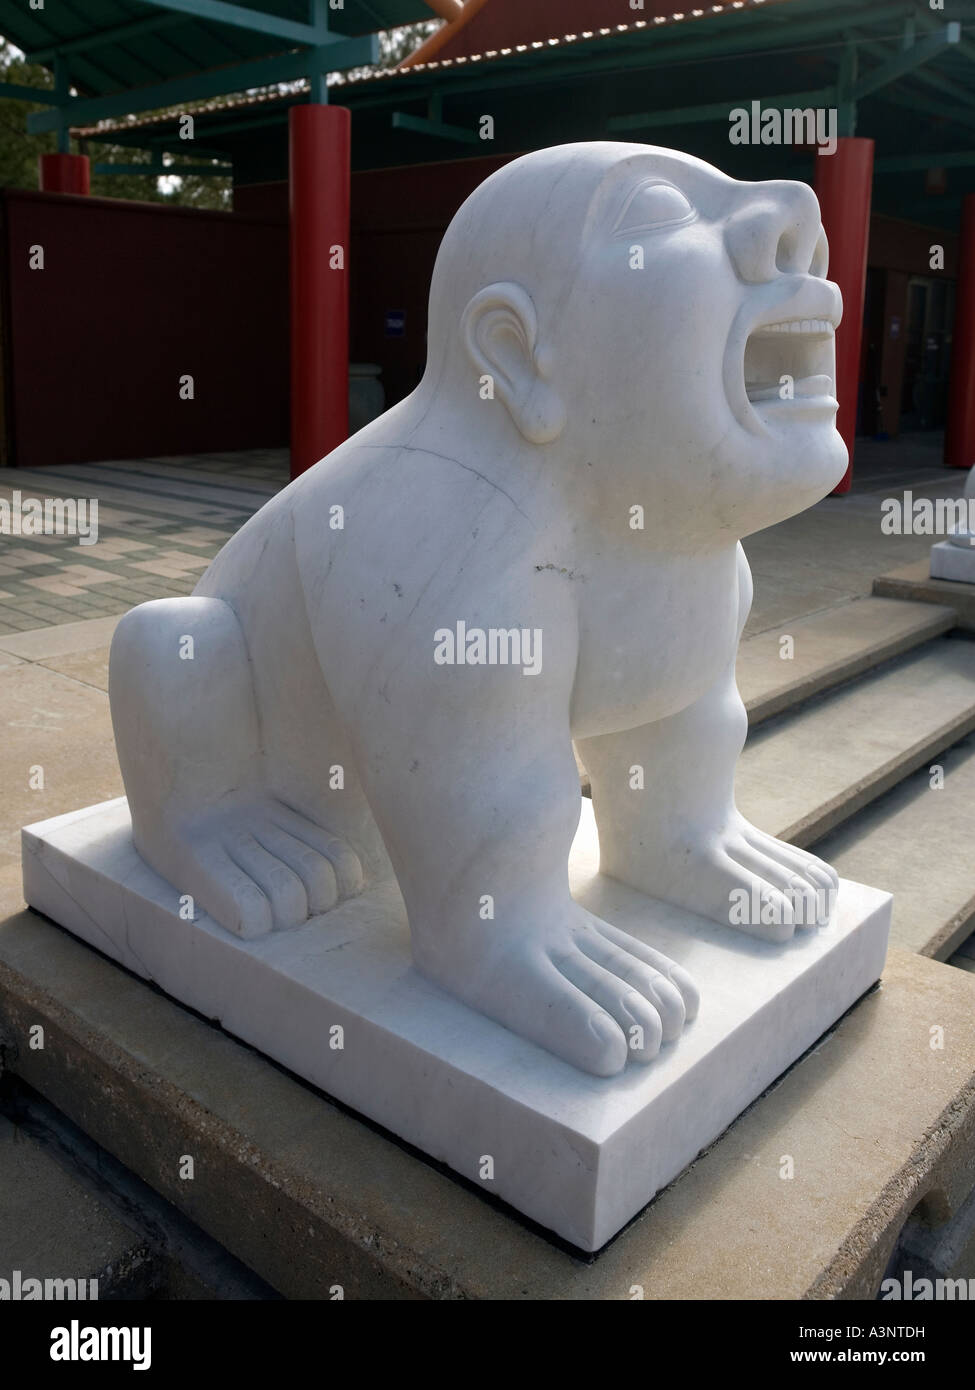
pixel 19 151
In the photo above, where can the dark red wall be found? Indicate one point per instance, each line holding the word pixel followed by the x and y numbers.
pixel 132 297
pixel 398 219
pixel 906 246
pixel 267 202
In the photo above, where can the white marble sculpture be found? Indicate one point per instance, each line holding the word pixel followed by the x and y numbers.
pixel 351 828
pixel 631 366
pixel 954 557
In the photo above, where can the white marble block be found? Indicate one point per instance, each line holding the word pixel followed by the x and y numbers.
pixel 953 562
pixel 578 1154
pixel 954 557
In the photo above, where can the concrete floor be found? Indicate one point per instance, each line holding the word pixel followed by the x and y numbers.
pixel 832 553
pixel 160 522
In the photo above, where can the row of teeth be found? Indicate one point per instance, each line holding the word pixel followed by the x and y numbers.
pixel 798 326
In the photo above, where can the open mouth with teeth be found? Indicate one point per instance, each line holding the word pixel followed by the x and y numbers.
pixel 800 350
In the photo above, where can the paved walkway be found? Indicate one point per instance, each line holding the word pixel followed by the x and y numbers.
pixel 161 521
pixel 832 553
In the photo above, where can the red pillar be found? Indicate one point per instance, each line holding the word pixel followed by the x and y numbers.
pixel 64 173
pixel 843 182
pixel 960 428
pixel 319 186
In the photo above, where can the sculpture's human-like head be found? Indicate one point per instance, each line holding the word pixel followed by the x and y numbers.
pixel 640 312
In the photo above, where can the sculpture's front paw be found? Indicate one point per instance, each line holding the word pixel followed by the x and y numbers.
pixel 579 987
pixel 635 997
pixel 749 880
pixel 257 866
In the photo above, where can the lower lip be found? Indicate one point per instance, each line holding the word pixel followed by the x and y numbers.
pixel 810 394
pixel 801 407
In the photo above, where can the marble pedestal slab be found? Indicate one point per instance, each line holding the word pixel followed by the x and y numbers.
pixel 578 1154
pixel 950 561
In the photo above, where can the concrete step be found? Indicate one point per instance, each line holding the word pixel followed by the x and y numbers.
pixel 808 771
pixel 69 1209
pixel 909 843
pixel 831 648
pixel 946 1252
pixel 53 1228
pixel 313 1199
pixel 964 957
pixel 914 582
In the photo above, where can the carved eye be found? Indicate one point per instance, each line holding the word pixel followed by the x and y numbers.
pixel 654 204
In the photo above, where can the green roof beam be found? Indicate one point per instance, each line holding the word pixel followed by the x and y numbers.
pixel 908 163
pixel 714 111
pixel 62 90
pixel 85 72
pixel 317 77
pixel 173 146
pixel 929 23
pixel 119 33
pixel 261 72
pixel 170 141
pixel 846 106
pixel 157 170
pixel 966 49
pixel 421 125
pixel 942 110
pixel 256 21
pixel 921 52
pixel 937 80
pixel 43 96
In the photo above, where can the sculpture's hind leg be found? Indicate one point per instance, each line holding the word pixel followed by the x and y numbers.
pixel 190 745
pixel 684 839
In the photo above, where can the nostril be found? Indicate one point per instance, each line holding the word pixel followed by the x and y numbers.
pixel 792 253
pixel 774 236
pixel 786 251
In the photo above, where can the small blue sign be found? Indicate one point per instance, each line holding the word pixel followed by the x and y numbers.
pixel 395 323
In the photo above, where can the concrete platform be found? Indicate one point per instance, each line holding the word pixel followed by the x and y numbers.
pixel 953 562
pixel 879 1126
pixel 54 1229
pixel 578 1154
pixel 908 841
pixel 866 737
pixel 831 648
pixel 69 1209
pixel 914 582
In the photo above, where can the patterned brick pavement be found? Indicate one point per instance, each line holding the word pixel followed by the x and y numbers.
pixel 160 522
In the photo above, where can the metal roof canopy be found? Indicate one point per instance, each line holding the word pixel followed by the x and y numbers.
pixel 122 56
pixel 906 72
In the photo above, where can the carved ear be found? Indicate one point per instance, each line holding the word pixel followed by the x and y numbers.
pixel 500 330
